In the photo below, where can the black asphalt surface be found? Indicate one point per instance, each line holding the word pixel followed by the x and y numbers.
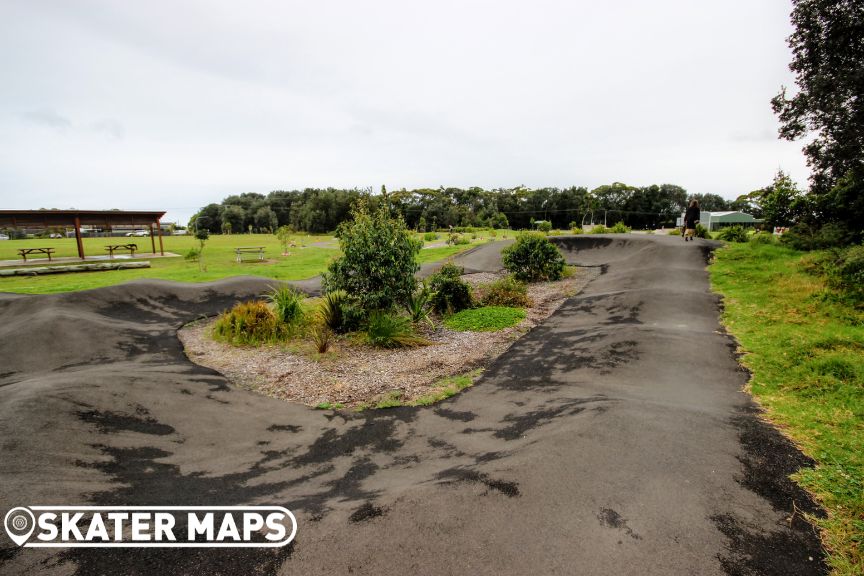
pixel 612 439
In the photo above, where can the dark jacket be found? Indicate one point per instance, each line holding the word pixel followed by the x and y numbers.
pixel 691 217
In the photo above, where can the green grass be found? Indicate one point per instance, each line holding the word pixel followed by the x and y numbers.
pixel 329 406
pixel 447 387
pixel 806 352
pixel 219 260
pixel 485 319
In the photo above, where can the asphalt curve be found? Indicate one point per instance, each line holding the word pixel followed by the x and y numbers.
pixel 612 439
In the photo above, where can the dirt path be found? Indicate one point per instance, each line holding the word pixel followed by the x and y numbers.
pixel 612 439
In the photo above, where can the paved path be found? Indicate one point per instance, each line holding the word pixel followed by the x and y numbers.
pixel 612 439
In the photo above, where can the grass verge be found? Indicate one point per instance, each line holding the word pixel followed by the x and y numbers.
pixel 806 352
pixel 485 319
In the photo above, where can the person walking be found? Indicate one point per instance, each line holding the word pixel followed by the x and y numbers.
pixel 691 218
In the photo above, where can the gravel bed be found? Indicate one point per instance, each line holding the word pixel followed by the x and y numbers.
pixel 353 373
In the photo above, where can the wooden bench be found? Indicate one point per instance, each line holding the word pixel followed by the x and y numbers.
pixel 115 247
pixel 25 251
pixel 249 250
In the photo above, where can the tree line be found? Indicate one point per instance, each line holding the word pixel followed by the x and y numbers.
pixel 319 210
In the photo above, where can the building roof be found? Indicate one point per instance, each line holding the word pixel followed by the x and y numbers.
pixel 107 218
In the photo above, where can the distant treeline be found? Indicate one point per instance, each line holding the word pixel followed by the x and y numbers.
pixel 322 210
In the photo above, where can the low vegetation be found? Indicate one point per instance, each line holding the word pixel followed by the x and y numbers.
pixel 507 291
pixel 799 320
pixel 533 258
pixel 485 319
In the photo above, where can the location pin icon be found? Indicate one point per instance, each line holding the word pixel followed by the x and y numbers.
pixel 19 523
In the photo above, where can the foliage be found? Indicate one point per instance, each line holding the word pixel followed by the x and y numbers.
pixel 619 228
pixel 533 257
pixel 202 235
pixel 543 226
pixel 731 234
pixel 674 232
pixel 287 304
pixel 192 255
pixel 763 238
pixel 845 273
pixel 507 291
pixel 702 232
pixel 805 356
pixel 430 236
pixel 485 319
pixel 827 63
pixel 332 311
pixel 248 323
pixel 448 387
pixel 577 230
pixel 329 406
pixel 449 292
pixel 599 229
pixel 321 336
pixel 378 262
pixel 419 304
pixel 284 233
pixel 388 330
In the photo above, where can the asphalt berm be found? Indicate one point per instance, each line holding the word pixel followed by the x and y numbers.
pixel 614 438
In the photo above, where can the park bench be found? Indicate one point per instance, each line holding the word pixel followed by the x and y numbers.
pixel 25 251
pixel 239 252
pixel 115 247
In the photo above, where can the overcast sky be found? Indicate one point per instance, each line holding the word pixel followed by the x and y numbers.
pixel 172 105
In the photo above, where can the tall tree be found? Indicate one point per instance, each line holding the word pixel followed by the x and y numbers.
pixel 828 62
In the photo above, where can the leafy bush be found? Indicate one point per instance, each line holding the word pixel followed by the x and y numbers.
pixel 574 224
pixel 577 230
pixel 702 232
pixel 762 238
pixel 533 257
pixel 507 291
pixel 450 294
pixel 420 304
pixel 732 234
pixel 804 237
pixel 378 262
pixel 388 330
pixel 619 228
pixel 544 226
pixel 248 323
pixel 287 304
pixel 449 270
pixel 486 319
pixel 192 255
pixel 338 313
pixel 430 236
pixel 599 229
pixel 845 271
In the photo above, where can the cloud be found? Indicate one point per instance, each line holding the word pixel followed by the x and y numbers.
pixel 48 117
pixel 110 127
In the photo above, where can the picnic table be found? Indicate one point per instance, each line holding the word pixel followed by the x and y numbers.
pixel 239 252
pixel 114 247
pixel 25 251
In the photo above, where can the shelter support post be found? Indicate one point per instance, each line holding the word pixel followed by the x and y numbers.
pixel 152 240
pixel 159 228
pixel 78 237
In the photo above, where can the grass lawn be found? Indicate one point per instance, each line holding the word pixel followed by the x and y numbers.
pixel 219 259
pixel 485 319
pixel 806 352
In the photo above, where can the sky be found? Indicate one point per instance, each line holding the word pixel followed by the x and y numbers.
pixel 171 105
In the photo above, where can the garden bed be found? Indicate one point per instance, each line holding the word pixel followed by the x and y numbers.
pixel 354 374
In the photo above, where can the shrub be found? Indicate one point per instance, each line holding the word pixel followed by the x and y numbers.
pixel 192 255
pixel 533 257
pixel 449 270
pixel 388 330
pixel 248 323
pixel 507 291
pixel 702 232
pixel 575 224
pixel 420 304
pixel 619 228
pixel 762 238
pixel 450 295
pixel 378 262
pixel 430 236
pixel 599 229
pixel 846 272
pixel 732 234
pixel 544 226
pixel 287 304
pixel 321 335
pixel 577 230
pixel 804 237
pixel 335 312
pixel 486 319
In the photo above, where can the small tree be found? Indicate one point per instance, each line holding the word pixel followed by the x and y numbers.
pixel 378 262
pixel 533 257
pixel 284 234
pixel 202 234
